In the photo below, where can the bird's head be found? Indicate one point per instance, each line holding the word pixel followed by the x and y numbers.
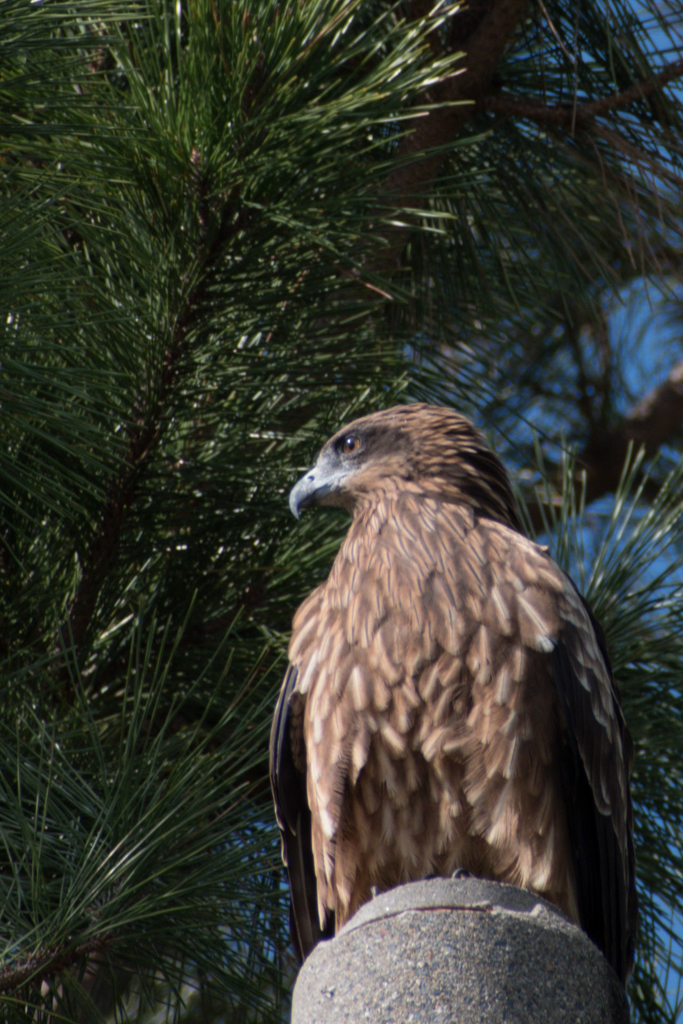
pixel 421 448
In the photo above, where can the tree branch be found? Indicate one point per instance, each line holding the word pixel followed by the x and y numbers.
pixel 651 422
pixel 566 115
pixel 482 50
pixel 53 961
pixel 146 434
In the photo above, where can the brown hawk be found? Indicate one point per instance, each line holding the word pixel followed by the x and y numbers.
pixel 449 702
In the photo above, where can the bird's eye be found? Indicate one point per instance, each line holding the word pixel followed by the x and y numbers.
pixel 350 444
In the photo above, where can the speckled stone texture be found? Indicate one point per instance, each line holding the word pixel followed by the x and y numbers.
pixel 465 951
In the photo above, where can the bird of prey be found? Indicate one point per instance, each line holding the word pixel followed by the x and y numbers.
pixel 449 703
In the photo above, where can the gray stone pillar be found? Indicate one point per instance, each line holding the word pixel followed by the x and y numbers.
pixel 463 951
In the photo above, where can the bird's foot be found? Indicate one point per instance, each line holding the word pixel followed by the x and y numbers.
pixel 461 873
pixel 374 891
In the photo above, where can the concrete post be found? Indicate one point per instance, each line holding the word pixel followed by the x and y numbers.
pixel 465 951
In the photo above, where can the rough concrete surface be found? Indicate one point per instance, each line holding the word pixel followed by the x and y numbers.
pixel 465 951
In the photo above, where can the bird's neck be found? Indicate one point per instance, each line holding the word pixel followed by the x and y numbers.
pixel 372 508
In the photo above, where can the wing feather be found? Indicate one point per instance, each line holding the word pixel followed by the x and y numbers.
pixel 595 766
pixel 288 782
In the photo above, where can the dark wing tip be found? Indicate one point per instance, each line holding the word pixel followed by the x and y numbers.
pixel 604 864
pixel 294 819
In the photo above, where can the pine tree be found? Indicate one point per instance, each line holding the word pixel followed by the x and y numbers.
pixel 225 228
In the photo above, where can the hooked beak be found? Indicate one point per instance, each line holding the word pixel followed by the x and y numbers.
pixel 314 487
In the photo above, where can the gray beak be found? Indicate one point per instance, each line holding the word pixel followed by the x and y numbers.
pixel 314 486
pixel 304 492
